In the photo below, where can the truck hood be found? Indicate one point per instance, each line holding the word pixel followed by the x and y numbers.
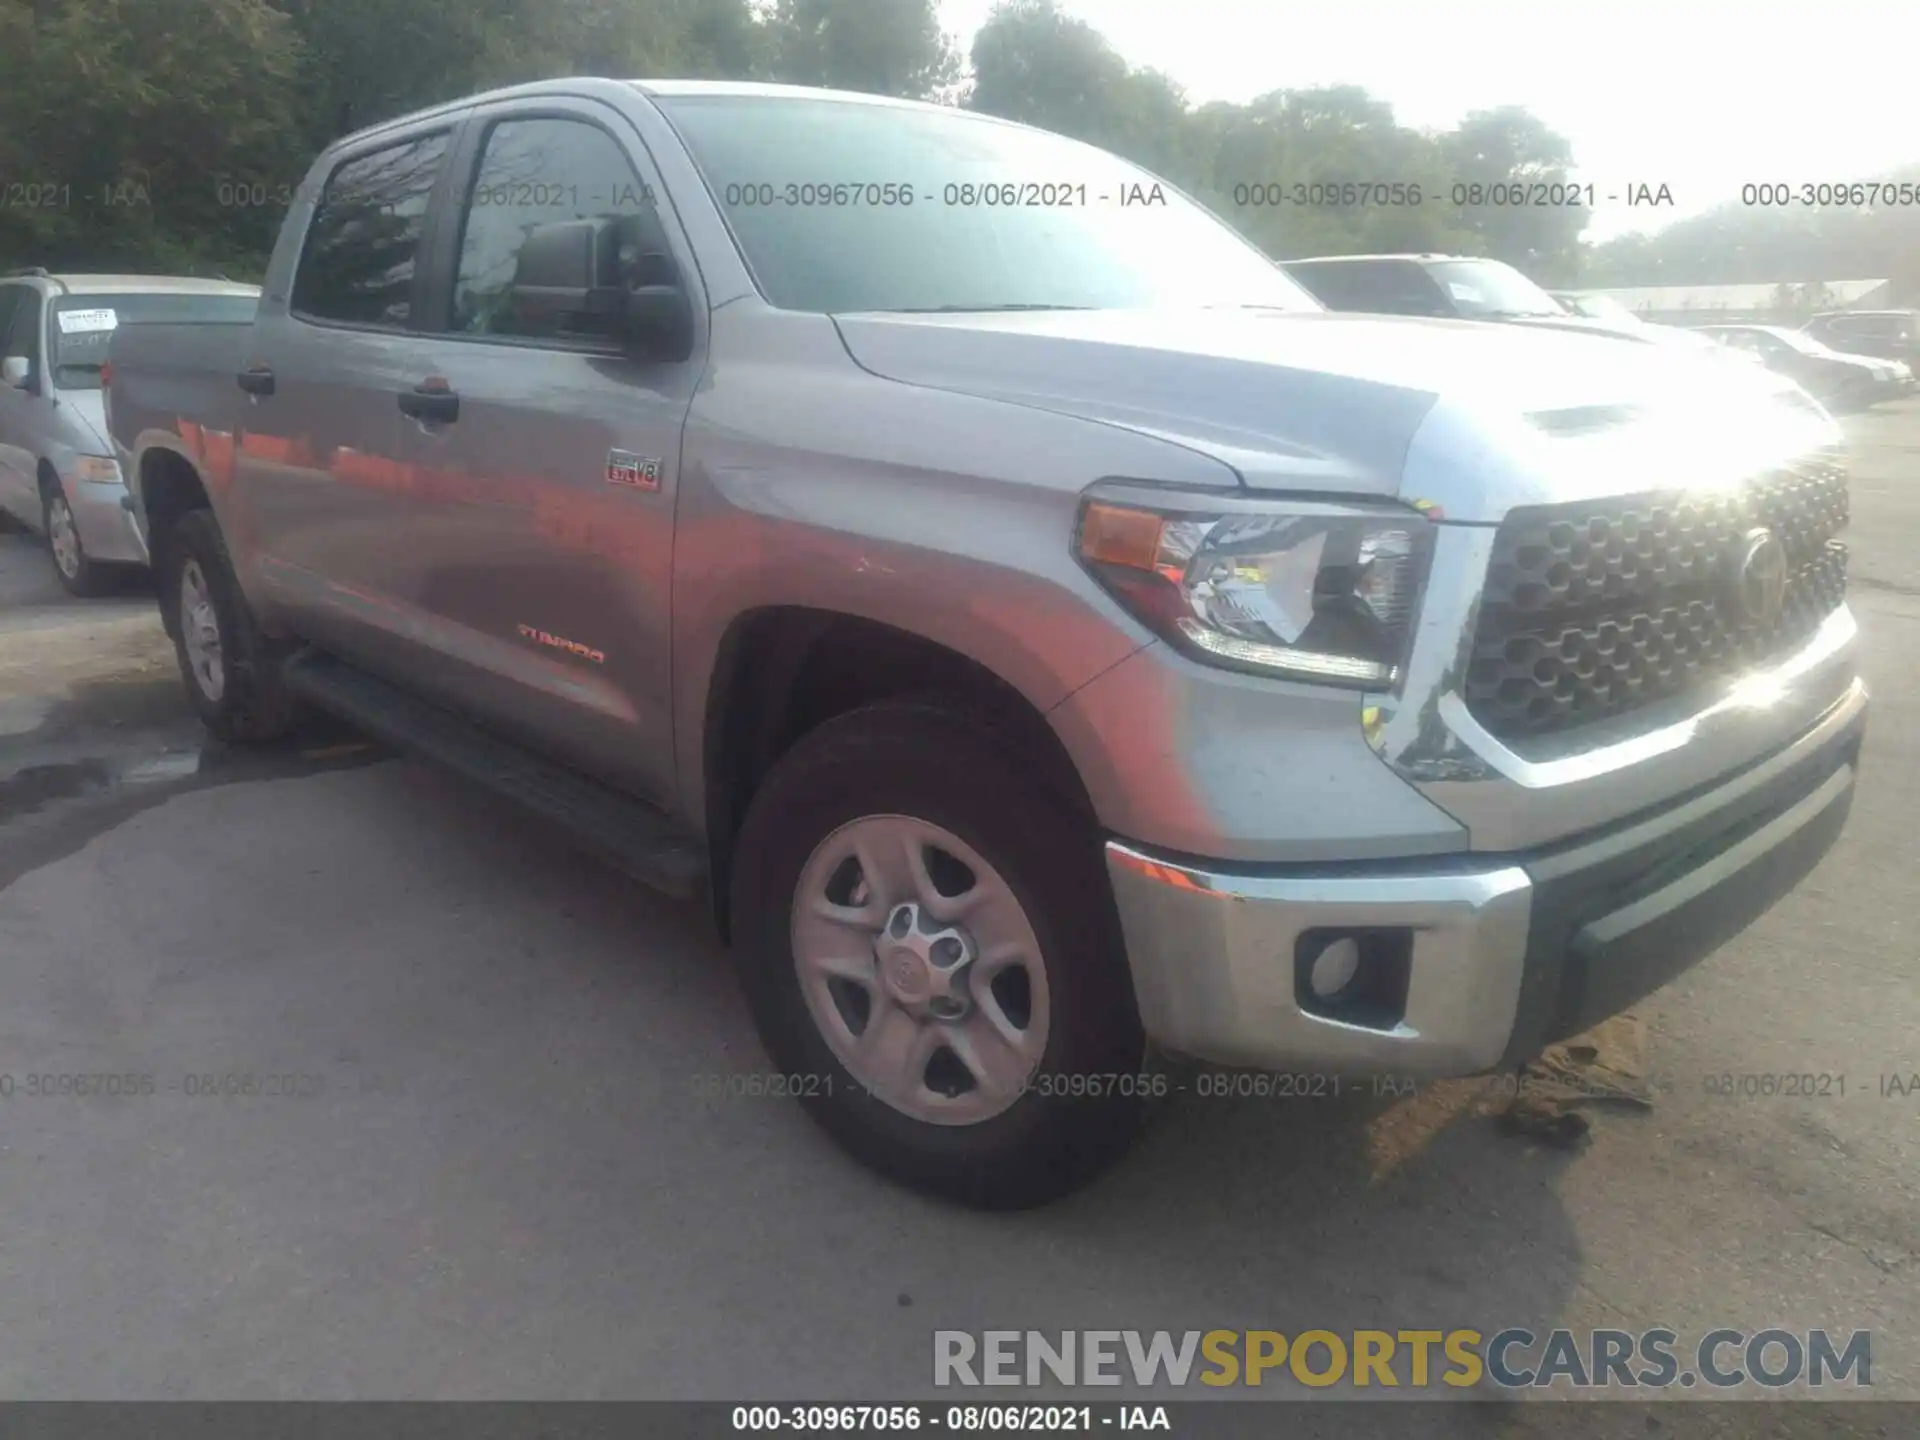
pixel 1303 401
pixel 1582 325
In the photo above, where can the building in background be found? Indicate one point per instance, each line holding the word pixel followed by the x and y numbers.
pixel 1783 303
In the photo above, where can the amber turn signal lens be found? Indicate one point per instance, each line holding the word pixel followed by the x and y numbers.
pixel 1114 535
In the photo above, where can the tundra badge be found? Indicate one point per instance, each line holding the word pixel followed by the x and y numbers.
pixel 560 642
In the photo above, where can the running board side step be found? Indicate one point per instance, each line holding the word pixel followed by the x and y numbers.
pixel 637 838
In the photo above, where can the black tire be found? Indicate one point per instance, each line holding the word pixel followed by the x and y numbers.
pixel 910 759
pixel 87 579
pixel 253 704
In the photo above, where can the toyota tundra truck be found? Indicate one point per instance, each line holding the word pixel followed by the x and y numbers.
pixel 1054 646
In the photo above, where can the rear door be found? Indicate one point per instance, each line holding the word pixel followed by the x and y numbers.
pixel 322 494
pixel 541 556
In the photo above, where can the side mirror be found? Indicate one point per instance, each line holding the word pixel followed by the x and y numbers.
pixel 600 278
pixel 660 319
pixel 17 371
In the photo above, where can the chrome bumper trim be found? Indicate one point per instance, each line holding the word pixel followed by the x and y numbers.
pixel 1211 950
pixel 1518 797
pixel 1213 968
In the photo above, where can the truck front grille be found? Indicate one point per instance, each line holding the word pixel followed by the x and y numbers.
pixel 1596 608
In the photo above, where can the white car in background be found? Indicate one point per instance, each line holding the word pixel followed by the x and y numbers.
pixel 58 472
pixel 1609 310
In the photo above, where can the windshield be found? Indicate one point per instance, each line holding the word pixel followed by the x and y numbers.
pixel 81 331
pixel 1805 344
pixel 846 206
pixel 1483 288
pixel 1601 307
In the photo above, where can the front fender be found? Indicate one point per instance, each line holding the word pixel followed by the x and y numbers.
pixel 808 483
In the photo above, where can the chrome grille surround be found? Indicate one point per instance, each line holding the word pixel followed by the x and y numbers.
pixel 1592 609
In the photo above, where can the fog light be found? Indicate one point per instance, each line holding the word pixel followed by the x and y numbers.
pixel 1356 977
pixel 1334 967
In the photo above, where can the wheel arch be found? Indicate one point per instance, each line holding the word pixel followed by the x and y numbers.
pixel 781 671
pixel 166 485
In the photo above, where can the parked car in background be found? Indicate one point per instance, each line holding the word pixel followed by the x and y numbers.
pixel 1597 307
pixel 58 471
pixel 1457 287
pixel 1885 334
pixel 1606 310
pixel 1442 286
pixel 1840 382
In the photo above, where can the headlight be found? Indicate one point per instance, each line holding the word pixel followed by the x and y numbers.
pixel 1295 589
pixel 97 467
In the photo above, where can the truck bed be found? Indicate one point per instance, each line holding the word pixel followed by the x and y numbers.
pixel 164 374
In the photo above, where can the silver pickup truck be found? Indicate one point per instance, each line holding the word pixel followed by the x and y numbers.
pixel 1048 637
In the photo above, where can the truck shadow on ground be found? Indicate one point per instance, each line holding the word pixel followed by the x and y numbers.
pixel 1405 1208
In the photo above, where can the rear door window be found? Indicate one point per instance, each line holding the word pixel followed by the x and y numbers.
pixel 358 264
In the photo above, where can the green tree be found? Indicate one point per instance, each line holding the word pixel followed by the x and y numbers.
pixel 1511 145
pixel 133 110
pixel 1758 245
pixel 1035 63
pixel 164 119
pixel 878 47
pixel 1324 140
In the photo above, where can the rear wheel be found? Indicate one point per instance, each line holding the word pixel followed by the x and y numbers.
pixel 232 671
pixel 927 939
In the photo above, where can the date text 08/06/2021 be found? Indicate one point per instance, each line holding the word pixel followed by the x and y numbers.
pixel 951 1419
pixel 1234 1085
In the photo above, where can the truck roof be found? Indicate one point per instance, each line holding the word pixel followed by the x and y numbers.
pixel 148 285
pixel 755 87
pixel 588 84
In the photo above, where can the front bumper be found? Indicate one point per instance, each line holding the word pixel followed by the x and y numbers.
pixel 102 515
pixel 1497 955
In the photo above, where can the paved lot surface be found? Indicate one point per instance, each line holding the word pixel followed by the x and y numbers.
pixel 495 1177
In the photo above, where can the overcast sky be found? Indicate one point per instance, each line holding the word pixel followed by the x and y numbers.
pixel 1700 95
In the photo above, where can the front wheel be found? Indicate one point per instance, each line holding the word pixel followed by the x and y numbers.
pixel 77 572
pixel 927 939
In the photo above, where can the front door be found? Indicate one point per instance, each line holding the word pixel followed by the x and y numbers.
pixel 541 558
